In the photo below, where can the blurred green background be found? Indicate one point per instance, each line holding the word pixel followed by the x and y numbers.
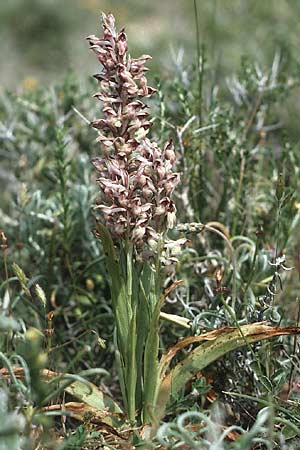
pixel 40 39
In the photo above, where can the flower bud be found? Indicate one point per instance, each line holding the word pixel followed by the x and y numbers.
pixel 141 180
pixel 159 168
pixel 122 43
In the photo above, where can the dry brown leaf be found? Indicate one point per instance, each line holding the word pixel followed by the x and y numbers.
pixel 171 288
pixel 79 411
pixel 218 226
pixel 182 343
pixel 86 392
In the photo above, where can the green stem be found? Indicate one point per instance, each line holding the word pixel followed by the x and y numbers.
pixel 200 63
pixel 131 381
pixel 252 267
pixel 238 195
pixel 129 347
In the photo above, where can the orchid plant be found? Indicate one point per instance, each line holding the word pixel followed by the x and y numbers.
pixel 136 180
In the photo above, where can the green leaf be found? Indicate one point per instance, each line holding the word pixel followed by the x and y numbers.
pixel 142 328
pixel 131 370
pixel 117 286
pixel 92 396
pixel 121 373
pixel 8 324
pixel 177 320
pixel 288 432
pixel 151 364
pixel 151 372
pixel 266 383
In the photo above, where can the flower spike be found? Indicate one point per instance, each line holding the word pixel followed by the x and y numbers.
pixel 135 176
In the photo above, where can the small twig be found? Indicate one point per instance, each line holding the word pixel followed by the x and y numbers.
pixel 85 119
pixel 180 132
pixel 207 127
pixel 200 65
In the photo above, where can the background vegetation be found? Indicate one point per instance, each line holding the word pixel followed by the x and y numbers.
pixel 228 97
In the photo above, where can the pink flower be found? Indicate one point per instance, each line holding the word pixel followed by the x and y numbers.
pixel 135 176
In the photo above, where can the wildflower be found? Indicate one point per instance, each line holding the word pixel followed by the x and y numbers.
pixel 29 84
pixel 135 175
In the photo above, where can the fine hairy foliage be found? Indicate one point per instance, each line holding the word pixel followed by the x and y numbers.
pixel 161 312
